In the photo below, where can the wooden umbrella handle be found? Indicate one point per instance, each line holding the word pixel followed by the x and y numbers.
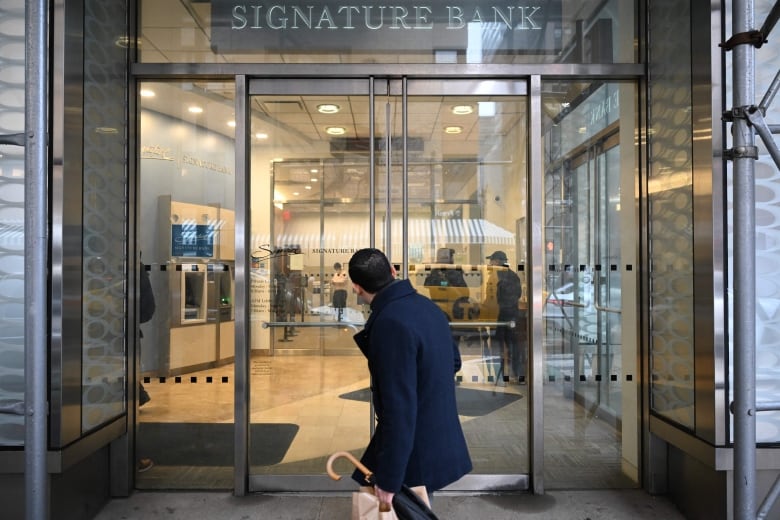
pixel 347 455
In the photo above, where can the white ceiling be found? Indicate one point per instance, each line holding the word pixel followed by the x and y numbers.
pixel 177 31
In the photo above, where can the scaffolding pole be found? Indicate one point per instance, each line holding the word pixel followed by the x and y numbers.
pixel 747 118
pixel 743 155
pixel 35 265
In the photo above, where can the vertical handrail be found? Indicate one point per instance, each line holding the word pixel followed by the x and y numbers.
pixel 371 163
pixel 405 181
pixel 535 281
pixel 388 246
pixel 241 298
pixel 36 199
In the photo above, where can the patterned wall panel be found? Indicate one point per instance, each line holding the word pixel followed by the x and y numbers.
pixel 670 206
pixel 104 213
pixel 12 382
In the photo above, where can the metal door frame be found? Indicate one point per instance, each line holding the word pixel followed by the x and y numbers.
pixel 372 86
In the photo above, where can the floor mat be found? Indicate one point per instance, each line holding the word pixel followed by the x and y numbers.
pixel 471 402
pixel 211 444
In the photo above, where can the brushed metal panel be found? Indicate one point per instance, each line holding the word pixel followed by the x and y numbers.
pixel 67 146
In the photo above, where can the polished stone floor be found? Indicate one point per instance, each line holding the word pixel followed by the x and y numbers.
pixel 326 398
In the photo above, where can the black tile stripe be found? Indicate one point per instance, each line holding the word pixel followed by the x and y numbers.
pixel 179 380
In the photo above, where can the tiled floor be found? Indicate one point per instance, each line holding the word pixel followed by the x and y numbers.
pixel 553 505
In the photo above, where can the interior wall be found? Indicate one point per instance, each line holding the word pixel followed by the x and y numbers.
pixel 184 161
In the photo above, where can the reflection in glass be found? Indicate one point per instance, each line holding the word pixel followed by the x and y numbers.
pixel 12 309
pixel 310 211
pixel 104 222
pixel 670 226
pixel 186 222
pixel 556 31
pixel 590 356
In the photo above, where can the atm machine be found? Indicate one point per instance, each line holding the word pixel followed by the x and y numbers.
pixel 202 317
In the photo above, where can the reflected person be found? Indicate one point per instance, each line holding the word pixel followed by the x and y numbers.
pixel 508 292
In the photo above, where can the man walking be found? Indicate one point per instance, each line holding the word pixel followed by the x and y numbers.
pixel 412 359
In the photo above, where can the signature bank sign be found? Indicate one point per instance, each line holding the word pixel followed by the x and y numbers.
pixel 493 26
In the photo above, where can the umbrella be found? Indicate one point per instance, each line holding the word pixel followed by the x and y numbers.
pixel 406 503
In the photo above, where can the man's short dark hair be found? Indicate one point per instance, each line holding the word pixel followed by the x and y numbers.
pixel 370 269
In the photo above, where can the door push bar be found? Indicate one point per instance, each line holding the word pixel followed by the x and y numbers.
pixel 354 326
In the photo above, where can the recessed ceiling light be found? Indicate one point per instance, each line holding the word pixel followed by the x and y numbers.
pixel 314 179
pixel 307 187
pixel 453 129
pixel 486 108
pixel 145 92
pixel 462 110
pixel 328 108
pixel 313 170
pixel 195 109
pixel 261 135
pixel 232 124
pixel 336 130
pixel 296 193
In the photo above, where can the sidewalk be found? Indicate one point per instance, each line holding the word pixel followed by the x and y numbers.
pixel 555 505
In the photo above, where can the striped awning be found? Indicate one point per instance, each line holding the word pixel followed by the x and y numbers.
pixel 459 231
pixel 432 232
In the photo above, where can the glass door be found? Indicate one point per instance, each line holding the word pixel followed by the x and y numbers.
pixel 590 342
pixel 432 172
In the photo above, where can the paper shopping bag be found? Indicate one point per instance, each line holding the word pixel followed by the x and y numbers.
pixel 365 504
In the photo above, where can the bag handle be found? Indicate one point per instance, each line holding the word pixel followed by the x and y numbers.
pixel 347 455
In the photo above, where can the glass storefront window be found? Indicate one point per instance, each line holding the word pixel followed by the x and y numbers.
pixel 590 284
pixel 223 31
pixel 461 199
pixel 186 222
pixel 104 221
pixel 670 225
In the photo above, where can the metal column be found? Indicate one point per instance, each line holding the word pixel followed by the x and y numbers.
pixel 743 72
pixel 747 118
pixel 35 265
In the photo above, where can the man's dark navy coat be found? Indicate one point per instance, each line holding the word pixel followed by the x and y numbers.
pixel 412 359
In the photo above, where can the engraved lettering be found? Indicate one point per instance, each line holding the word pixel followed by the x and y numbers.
pixel 326 17
pixel 399 18
pixel 421 17
pixel 279 22
pixel 504 17
pixel 256 24
pixel 368 17
pixel 526 16
pixel 306 19
pixel 239 18
pixel 402 17
pixel 455 17
pixel 347 10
